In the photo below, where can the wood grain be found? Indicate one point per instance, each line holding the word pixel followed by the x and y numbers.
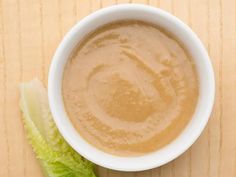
pixel 30 31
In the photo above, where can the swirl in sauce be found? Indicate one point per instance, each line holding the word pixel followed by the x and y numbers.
pixel 130 88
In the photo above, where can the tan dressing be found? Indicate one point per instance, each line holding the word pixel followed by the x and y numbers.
pixel 130 88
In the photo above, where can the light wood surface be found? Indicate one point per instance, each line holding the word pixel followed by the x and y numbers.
pixel 30 31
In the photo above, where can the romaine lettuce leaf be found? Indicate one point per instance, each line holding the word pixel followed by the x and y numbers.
pixel 56 157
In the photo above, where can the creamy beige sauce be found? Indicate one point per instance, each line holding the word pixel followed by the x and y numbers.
pixel 130 88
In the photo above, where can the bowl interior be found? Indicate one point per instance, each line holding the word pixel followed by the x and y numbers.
pixel 192 45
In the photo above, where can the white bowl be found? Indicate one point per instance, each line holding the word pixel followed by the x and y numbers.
pixel 191 43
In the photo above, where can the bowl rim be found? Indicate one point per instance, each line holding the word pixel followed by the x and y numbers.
pixel 139 163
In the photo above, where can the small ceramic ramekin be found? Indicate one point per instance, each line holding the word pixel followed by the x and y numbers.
pixel 192 44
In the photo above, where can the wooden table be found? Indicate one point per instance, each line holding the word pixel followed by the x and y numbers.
pixel 30 31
